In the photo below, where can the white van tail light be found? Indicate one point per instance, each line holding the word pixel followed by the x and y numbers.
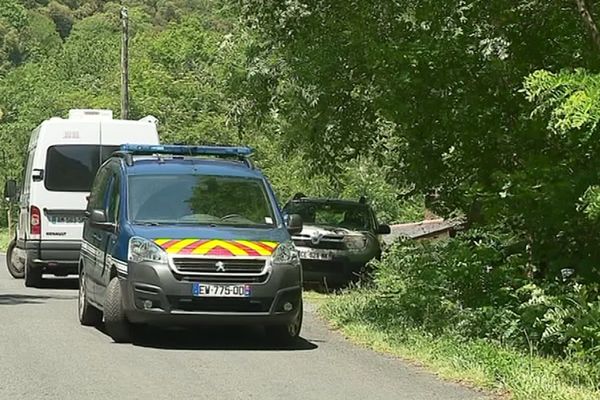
pixel 35 221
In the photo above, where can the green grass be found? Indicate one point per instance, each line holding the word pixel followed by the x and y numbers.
pixel 4 239
pixel 474 362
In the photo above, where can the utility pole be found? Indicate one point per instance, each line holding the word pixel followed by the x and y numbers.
pixel 124 64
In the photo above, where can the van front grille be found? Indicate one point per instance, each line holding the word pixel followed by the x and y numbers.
pixel 221 270
pixel 211 265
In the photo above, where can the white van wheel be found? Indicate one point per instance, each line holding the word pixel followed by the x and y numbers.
pixel 15 271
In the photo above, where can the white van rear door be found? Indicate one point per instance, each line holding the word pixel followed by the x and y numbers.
pixel 70 161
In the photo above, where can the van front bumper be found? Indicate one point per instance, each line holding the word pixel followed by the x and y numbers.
pixel 173 302
pixel 52 256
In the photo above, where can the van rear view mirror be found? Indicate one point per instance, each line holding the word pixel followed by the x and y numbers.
pixel 10 190
pixel 37 175
pixel 99 219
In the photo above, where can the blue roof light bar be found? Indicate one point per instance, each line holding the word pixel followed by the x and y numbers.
pixel 219 151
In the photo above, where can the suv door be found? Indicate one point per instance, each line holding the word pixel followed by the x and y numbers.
pixel 109 237
pixel 93 236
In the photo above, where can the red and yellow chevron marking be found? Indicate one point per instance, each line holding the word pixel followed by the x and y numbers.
pixel 217 247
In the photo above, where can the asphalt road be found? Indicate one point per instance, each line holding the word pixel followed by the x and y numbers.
pixel 46 354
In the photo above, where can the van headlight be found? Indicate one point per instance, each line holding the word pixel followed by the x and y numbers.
pixel 286 253
pixel 356 243
pixel 141 249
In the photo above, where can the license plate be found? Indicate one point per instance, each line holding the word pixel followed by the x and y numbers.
pixel 204 290
pixel 315 255
pixel 65 219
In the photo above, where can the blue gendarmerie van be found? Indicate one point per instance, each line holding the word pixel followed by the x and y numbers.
pixel 181 235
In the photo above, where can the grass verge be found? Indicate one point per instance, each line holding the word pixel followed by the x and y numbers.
pixel 4 239
pixel 475 362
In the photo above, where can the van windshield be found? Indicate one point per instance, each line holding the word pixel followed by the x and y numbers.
pixel 199 199
pixel 71 168
pixel 333 214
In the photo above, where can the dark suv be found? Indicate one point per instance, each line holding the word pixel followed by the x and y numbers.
pixel 187 235
pixel 339 237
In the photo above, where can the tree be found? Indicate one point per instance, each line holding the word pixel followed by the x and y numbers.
pixel 62 17
pixel 433 91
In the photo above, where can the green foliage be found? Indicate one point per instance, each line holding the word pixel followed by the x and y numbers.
pixel 478 286
pixel 193 66
pixel 508 372
pixel 13 22
pixel 572 98
pixel 432 91
pixel 62 17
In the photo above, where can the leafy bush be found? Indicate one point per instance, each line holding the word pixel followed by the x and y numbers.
pixel 479 285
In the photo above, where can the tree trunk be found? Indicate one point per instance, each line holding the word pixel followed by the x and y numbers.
pixel 586 16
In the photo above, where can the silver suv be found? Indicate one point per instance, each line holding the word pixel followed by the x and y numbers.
pixel 338 239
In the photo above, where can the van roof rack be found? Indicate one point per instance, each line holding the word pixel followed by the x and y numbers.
pixel 127 151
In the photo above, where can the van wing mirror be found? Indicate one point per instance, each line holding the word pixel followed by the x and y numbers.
pixel 37 174
pixel 294 224
pixel 10 190
pixel 98 219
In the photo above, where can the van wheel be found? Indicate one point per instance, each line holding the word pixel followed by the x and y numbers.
pixel 287 334
pixel 115 320
pixel 88 314
pixel 15 271
pixel 33 275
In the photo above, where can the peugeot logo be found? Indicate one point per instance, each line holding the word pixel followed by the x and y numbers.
pixel 220 266
pixel 316 238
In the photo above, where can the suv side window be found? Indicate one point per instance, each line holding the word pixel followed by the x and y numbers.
pixel 100 189
pixel 114 199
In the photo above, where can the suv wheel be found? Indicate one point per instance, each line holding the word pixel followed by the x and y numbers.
pixel 88 314
pixel 115 320
pixel 33 275
pixel 286 334
pixel 15 271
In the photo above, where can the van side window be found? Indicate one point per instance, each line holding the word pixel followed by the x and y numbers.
pixel 27 174
pixel 114 199
pixel 71 168
pixel 100 190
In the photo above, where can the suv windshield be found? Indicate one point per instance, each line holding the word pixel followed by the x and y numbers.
pixel 341 215
pixel 71 168
pixel 199 199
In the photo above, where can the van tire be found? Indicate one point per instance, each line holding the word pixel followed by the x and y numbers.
pixel 33 276
pixel 88 314
pixel 115 320
pixel 14 271
pixel 288 334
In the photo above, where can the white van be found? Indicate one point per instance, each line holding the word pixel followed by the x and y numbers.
pixel 63 157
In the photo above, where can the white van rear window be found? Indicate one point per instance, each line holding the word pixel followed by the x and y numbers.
pixel 72 168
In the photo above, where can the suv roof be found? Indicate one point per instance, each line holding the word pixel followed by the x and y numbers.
pixel 299 198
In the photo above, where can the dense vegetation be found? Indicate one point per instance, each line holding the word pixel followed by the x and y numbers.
pixel 483 109
pixel 193 65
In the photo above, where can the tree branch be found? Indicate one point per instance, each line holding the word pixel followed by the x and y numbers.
pixel 589 22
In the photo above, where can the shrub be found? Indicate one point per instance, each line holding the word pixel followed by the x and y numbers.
pixel 478 285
